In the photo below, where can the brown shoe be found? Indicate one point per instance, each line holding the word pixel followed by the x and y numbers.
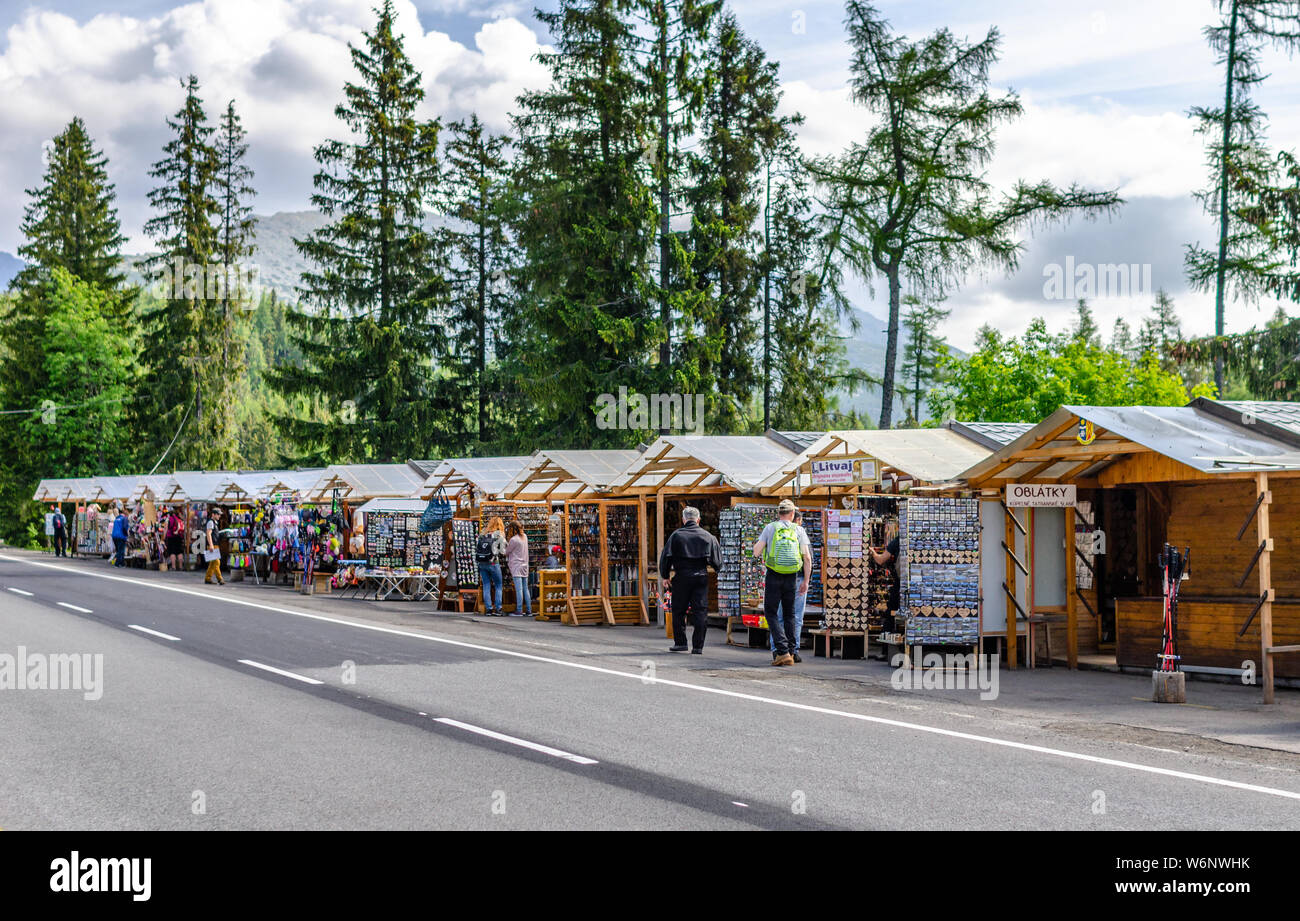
pixel 786 659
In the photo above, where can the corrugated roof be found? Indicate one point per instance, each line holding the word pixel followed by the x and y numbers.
pixel 489 475
pixel 923 455
pixel 1277 419
pixel 738 461
pixel 358 482
pixel 192 486
pixel 992 435
pixel 1201 439
pixel 565 474
pixel 795 441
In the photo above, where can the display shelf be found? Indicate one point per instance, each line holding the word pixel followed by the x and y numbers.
pixel 940 571
pixel 552 593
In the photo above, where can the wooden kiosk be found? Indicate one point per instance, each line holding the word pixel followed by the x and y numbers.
pixel 1218 478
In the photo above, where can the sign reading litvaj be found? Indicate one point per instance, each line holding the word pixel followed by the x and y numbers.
pixel 845 471
pixel 1040 495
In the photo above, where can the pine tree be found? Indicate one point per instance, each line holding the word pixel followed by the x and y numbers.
pixel 235 242
pixel 676 67
pixel 912 202
pixel 1086 329
pixel 369 329
pixel 740 132
pixel 476 192
pixel 1121 339
pixel 588 320
pixel 179 345
pixel 924 352
pixel 70 221
pixel 808 363
pixel 1242 171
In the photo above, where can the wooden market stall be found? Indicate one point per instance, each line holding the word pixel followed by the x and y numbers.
pixel 469 480
pixel 854 481
pixel 706 471
pixel 602 584
pixel 1091 495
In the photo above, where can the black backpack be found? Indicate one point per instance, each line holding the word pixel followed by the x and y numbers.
pixel 483 552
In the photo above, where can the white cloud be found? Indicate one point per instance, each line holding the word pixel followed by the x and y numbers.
pixel 284 62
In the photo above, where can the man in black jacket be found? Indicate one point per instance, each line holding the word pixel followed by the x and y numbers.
pixel 688 553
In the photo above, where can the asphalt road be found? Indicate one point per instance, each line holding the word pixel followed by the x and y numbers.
pixel 271 714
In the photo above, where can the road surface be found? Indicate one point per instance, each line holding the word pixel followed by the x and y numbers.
pixel 232 707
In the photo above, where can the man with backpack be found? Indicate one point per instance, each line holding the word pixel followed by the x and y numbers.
pixel 785 551
pixel 60 533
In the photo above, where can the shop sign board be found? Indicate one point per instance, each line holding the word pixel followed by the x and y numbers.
pixel 1041 495
pixel 858 470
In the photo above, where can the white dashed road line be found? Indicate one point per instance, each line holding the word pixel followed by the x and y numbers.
pixel 522 743
pixel 165 636
pixel 279 671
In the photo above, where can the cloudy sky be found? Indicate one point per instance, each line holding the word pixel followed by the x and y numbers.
pixel 1106 86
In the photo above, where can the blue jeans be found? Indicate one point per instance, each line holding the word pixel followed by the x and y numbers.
pixel 489 577
pixel 119 551
pixel 800 600
pixel 523 602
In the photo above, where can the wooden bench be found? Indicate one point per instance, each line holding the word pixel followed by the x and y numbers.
pixel 853 643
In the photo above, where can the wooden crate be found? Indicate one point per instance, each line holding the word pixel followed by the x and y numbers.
pixel 627 611
pixel 587 610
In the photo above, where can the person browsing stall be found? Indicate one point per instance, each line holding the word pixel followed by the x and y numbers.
pixel 488 550
pixel 800 602
pixel 688 553
pixel 888 556
pixel 517 561
pixel 784 549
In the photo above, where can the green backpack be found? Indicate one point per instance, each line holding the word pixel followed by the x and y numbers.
pixel 783 553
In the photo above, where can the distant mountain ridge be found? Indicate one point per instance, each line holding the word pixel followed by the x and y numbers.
pixel 10 266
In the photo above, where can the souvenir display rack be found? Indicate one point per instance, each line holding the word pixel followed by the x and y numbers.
pixel 464 533
pixel 394 541
pixel 939 570
pixel 239 539
pixel 857 588
pixel 740 583
pixel 583 538
pixel 605 549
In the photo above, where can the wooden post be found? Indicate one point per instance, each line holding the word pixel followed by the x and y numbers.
pixel 1265 586
pixel 1011 584
pixel 642 563
pixel 1071 583
pixel 604 552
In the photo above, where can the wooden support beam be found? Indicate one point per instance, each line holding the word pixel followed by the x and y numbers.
pixel 1012 524
pixel 1259 502
pixel 1265 537
pixel 1012 554
pixel 1071 610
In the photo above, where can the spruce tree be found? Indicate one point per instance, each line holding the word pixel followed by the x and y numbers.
pixel 368 328
pixel 740 131
pixel 588 321
pixel 476 193
pixel 180 343
pixel 235 242
pixel 70 221
pixel 924 352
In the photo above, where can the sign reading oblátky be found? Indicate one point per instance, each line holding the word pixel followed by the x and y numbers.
pixel 1040 495
pixel 845 471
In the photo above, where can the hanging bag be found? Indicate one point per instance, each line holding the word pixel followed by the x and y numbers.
pixel 437 513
